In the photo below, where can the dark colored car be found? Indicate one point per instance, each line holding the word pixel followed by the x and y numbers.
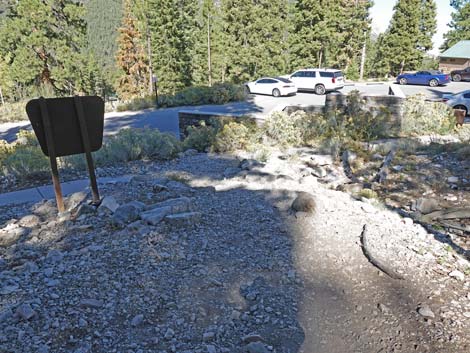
pixel 432 78
pixel 459 75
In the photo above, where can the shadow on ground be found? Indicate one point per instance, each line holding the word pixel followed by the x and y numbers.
pixel 249 266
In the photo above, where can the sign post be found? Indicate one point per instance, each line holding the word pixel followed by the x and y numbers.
pixel 155 87
pixel 68 126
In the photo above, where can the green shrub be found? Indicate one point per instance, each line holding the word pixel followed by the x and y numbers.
pixel 134 144
pixel 11 112
pixel 421 117
pixel 220 93
pixel 138 104
pixel 25 161
pixel 200 137
pixel 235 136
pixel 283 129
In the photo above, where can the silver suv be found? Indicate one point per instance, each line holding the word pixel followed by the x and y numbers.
pixel 318 80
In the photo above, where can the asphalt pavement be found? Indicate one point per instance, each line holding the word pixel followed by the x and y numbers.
pixel 166 119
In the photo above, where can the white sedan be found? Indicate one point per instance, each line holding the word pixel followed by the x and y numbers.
pixel 275 86
pixel 458 100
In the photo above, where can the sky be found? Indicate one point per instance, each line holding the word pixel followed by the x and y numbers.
pixel 382 12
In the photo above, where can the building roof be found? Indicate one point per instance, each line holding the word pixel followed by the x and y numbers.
pixel 459 50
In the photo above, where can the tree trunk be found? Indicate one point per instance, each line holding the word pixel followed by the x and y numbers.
pixel 363 58
pixel 149 54
pixel 1 97
pixel 209 61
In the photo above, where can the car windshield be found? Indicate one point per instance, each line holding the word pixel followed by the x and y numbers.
pixel 282 79
pixel 338 74
pixel 435 72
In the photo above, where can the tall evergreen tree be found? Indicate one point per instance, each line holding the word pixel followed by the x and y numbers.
pixel 403 44
pixel 255 37
pixel 103 19
pixel 460 24
pixel 43 41
pixel 131 58
pixel 172 27
pixel 208 46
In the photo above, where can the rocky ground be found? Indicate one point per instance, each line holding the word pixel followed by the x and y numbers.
pixel 214 253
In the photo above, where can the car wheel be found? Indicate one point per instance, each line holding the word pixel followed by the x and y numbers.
pixel 456 78
pixel 433 83
pixel 276 93
pixel 462 107
pixel 320 89
pixel 403 81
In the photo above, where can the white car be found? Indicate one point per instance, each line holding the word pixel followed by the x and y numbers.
pixel 275 86
pixel 458 100
pixel 318 80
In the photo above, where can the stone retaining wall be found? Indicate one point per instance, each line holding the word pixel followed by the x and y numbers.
pixel 195 118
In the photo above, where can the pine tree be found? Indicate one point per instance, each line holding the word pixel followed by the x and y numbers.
pixel 103 19
pixel 428 25
pixel 172 27
pixel 404 45
pixel 460 24
pixel 42 42
pixel 255 36
pixel 131 58
pixel 309 34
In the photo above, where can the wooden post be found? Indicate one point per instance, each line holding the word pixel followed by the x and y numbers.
pixel 86 145
pixel 52 155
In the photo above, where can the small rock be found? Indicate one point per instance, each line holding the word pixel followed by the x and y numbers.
pixel 320 160
pixel 169 334
pixel 75 199
pixel 398 168
pixel 24 312
pixel 426 312
pixel 457 275
pixel 9 288
pixel 29 221
pixel 91 303
pixel 249 164
pixel 231 172
pixel 208 336
pixel 109 203
pixel 252 337
pixel 159 211
pixel 84 209
pixel 11 234
pixel 125 214
pixel 319 171
pixel 211 349
pixel 467 314
pixel 137 320
pixel 453 179
pixel 425 205
pixel 54 256
pixel 183 219
pixel 190 152
pixel 256 347
pixel 377 157
pixel 304 202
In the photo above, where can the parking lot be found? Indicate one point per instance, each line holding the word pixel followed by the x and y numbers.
pixel 269 103
pixel 166 120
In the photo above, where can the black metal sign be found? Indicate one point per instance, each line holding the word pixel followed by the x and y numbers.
pixel 68 126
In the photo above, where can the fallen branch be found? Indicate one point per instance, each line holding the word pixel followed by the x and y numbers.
pixel 383 171
pixel 457 227
pixel 450 213
pixel 347 167
pixel 373 260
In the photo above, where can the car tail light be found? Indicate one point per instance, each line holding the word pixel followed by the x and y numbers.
pixel 333 80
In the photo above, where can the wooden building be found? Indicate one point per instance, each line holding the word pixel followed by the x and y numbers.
pixel 456 57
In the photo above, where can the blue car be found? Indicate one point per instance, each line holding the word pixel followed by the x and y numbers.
pixel 431 78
